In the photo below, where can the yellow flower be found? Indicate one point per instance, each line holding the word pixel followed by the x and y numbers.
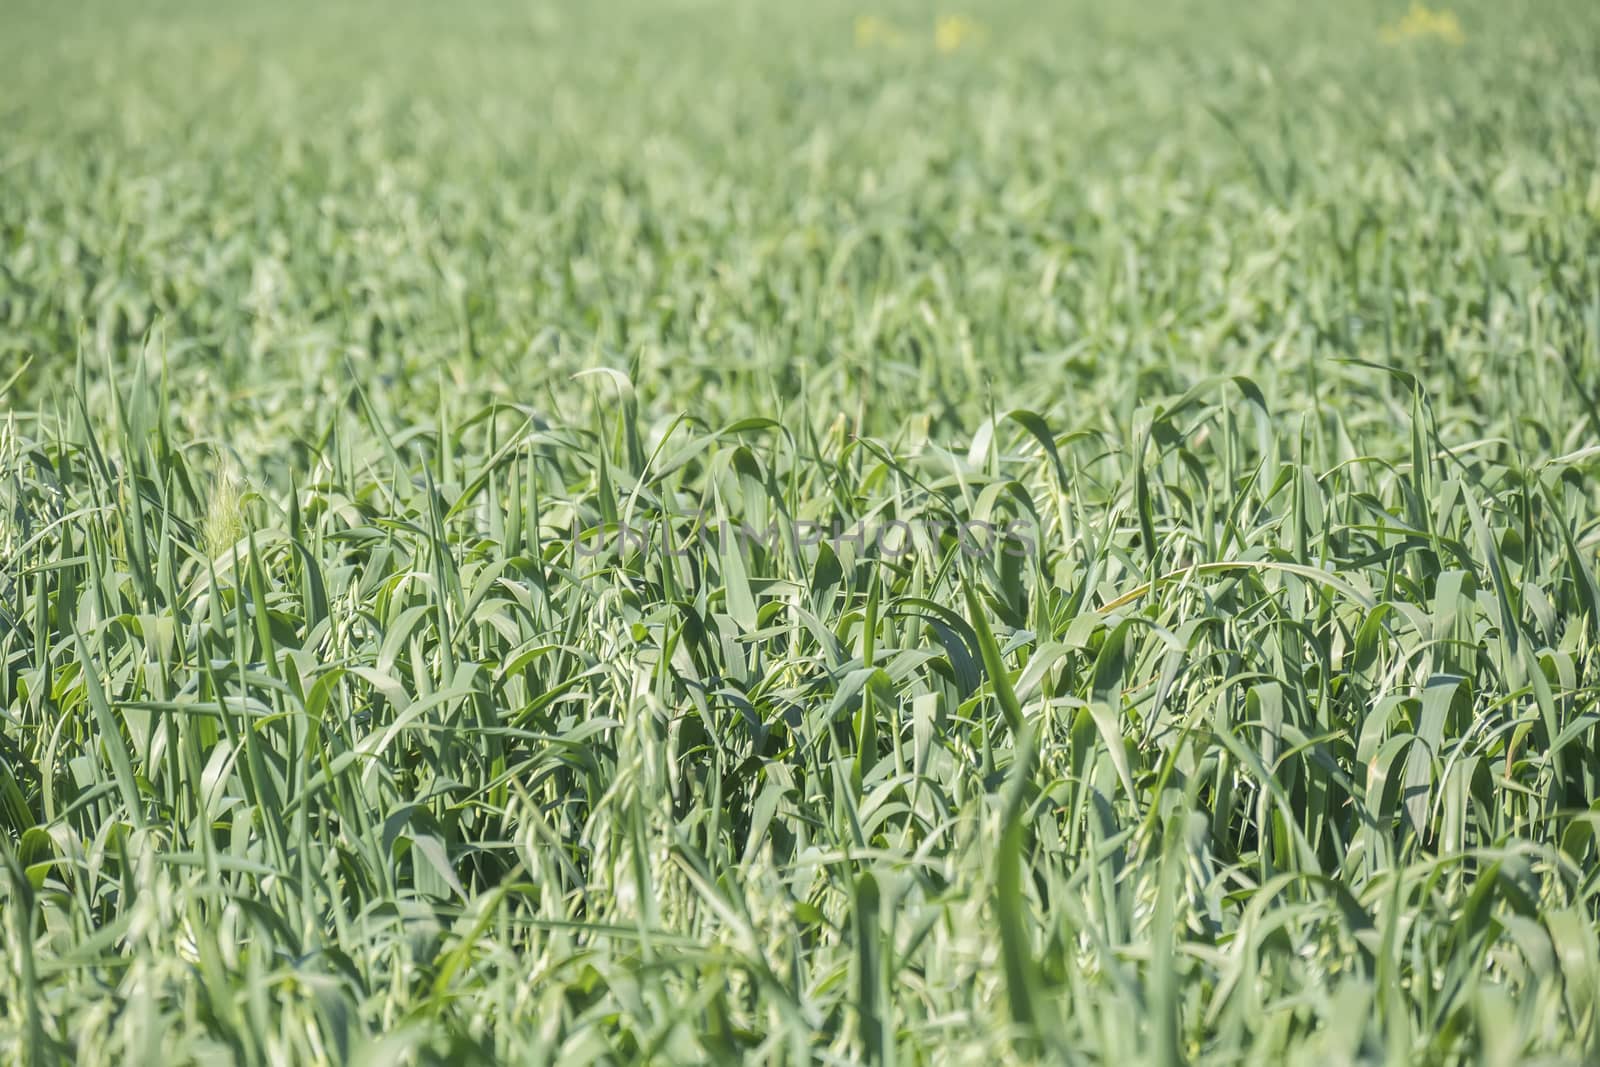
pixel 950 32
pixel 1421 22
pixel 872 31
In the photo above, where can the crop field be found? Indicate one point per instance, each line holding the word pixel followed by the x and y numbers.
pixel 734 532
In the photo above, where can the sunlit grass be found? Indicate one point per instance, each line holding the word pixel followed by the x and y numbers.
pixel 503 528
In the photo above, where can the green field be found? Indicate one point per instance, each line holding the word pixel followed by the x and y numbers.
pixel 713 532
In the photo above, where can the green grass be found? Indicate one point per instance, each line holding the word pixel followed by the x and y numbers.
pixel 1270 736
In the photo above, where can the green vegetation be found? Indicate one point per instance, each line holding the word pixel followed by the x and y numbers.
pixel 379 385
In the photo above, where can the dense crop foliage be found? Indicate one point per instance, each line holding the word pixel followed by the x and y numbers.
pixel 697 531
